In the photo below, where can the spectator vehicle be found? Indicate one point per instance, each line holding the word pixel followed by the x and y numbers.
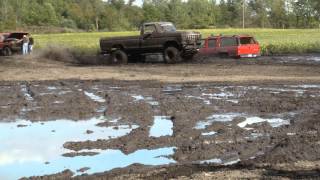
pixel 3 36
pixel 11 43
pixel 236 46
pixel 155 37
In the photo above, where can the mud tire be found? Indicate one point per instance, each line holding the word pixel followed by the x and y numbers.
pixel 119 57
pixel 6 51
pixel 172 55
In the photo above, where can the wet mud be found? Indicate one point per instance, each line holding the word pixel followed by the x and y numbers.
pixel 157 129
pixel 291 59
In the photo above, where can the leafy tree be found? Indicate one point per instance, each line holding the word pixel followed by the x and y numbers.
pixel 114 15
pixel 259 13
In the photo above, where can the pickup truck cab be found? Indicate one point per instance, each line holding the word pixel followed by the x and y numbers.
pixel 11 43
pixel 230 46
pixel 155 37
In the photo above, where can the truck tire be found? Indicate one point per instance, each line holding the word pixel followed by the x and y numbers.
pixel 119 57
pixel 6 51
pixel 172 55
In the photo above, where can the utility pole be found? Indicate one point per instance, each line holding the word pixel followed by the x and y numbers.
pixel 243 13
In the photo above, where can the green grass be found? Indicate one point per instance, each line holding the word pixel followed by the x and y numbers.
pixel 272 41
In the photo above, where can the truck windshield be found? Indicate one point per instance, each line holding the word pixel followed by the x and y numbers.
pixel 168 27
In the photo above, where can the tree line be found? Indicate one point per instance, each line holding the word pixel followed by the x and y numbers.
pixel 116 15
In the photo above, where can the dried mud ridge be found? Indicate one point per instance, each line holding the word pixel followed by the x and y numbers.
pixel 208 123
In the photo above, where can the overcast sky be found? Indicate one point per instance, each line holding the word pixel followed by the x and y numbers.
pixel 138 2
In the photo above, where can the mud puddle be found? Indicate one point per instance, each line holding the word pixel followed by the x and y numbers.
pixel 307 59
pixel 162 127
pixel 96 126
pixel 36 148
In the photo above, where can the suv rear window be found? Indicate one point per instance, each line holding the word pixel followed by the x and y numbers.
pixel 247 40
pixel 229 41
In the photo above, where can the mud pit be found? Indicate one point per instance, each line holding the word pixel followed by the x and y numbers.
pixel 69 128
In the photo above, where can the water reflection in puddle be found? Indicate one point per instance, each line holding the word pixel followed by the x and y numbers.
pixel 94 97
pixel 147 99
pixel 209 133
pixel 228 117
pixel 26 147
pixel 208 98
pixel 162 127
pixel 274 122
pixel 214 161
pixel 219 161
pixel 172 89
pixel 216 118
pixel 51 88
pixel 26 93
pixel 104 161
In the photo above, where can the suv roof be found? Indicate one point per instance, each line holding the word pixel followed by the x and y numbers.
pixel 237 36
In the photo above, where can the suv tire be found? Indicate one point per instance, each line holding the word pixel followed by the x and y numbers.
pixel 172 55
pixel 6 51
pixel 119 57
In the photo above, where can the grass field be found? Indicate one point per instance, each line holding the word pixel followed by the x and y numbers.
pixel 273 41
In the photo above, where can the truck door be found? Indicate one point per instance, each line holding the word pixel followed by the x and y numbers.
pixel 147 41
pixel 228 46
pixel 211 46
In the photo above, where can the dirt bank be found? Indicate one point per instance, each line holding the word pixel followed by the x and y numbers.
pixel 203 70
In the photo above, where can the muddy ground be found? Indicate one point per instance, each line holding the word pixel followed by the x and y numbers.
pixel 231 118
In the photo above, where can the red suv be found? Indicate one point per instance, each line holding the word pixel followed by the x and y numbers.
pixel 230 46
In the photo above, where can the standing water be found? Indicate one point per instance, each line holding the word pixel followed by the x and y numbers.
pixel 35 149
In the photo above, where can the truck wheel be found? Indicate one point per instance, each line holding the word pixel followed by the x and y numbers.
pixel 172 55
pixel 7 51
pixel 119 57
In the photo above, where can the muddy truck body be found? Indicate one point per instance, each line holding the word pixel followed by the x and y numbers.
pixel 155 37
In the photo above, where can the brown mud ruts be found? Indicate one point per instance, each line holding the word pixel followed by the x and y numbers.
pixel 206 121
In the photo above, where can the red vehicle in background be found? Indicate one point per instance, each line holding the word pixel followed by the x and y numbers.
pixel 3 36
pixel 230 46
pixel 11 43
